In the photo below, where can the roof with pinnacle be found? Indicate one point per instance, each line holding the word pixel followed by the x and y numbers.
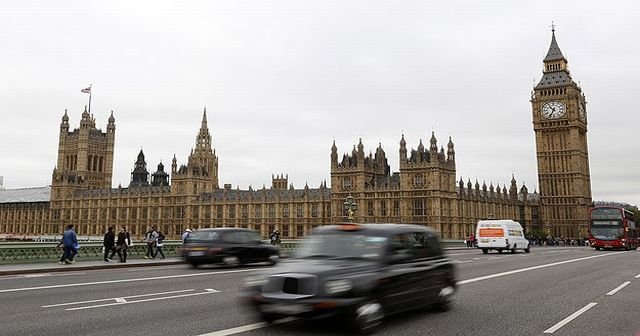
pixel 556 78
pixel 26 195
pixel 554 52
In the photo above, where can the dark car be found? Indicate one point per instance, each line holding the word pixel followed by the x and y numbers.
pixel 359 271
pixel 229 246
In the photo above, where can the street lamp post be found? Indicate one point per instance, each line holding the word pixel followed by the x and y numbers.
pixel 350 206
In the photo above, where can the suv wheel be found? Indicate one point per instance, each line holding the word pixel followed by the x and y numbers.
pixel 485 251
pixel 528 249
pixel 269 318
pixel 231 261
pixel 368 317
pixel 273 259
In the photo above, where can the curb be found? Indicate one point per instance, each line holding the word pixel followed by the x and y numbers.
pixel 76 267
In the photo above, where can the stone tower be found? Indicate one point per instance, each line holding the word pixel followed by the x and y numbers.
pixel 429 175
pixel 356 173
pixel 85 156
pixel 200 174
pixel 560 124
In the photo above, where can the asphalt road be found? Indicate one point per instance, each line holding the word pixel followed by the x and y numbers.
pixel 499 294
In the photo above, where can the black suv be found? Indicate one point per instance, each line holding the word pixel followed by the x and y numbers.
pixel 359 271
pixel 229 246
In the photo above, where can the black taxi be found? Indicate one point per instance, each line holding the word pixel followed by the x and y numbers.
pixel 363 272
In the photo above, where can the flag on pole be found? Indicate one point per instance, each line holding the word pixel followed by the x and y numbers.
pixel 87 90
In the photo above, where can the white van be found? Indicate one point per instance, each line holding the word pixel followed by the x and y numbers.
pixel 503 234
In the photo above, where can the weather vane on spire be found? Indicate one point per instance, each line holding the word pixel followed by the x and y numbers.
pixel 553 27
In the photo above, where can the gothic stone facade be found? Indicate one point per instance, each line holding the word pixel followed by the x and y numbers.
pixel 424 191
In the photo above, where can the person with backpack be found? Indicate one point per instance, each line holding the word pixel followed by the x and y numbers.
pixel 185 235
pixel 275 237
pixel 159 244
pixel 150 238
pixel 69 242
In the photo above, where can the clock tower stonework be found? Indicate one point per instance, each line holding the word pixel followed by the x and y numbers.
pixel 560 125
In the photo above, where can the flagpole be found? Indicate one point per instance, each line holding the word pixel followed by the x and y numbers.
pixel 90 93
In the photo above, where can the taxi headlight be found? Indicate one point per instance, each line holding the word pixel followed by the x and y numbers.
pixel 256 280
pixel 337 286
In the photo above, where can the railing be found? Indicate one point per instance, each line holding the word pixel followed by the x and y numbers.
pixel 44 252
pixel 11 252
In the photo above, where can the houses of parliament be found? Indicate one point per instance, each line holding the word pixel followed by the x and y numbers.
pixel 424 191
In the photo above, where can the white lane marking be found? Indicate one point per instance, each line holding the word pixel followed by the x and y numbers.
pixel 617 289
pixel 121 298
pixel 38 275
pixel 247 327
pixel 490 276
pixel 207 291
pixel 122 280
pixel 637 276
pixel 569 318
pixel 462 261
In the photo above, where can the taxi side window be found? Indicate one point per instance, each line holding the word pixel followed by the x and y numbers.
pixel 432 245
pixel 400 245
pixel 412 245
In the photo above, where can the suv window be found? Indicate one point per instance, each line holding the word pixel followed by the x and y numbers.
pixel 204 235
pixel 234 237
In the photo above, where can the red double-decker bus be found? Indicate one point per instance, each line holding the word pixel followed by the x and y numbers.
pixel 612 227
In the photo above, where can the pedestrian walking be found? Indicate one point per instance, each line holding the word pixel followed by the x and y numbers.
pixel 472 240
pixel 123 243
pixel 63 255
pixel 275 237
pixel 150 238
pixel 109 243
pixel 160 244
pixel 69 244
pixel 185 234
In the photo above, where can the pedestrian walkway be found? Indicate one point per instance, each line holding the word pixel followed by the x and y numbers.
pixel 79 265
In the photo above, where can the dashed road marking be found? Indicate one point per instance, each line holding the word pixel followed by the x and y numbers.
pixel 617 289
pixel 569 318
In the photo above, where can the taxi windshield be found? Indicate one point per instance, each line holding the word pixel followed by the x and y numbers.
pixel 342 246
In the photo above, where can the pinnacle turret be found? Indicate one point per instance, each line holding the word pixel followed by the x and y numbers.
pixel 554 52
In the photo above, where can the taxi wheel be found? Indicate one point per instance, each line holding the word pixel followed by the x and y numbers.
pixel 528 249
pixel 368 317
pixel 445 297
pixel 485 251
pixel 195 264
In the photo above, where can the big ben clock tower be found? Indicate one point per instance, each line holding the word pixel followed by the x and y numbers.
pixel 560 125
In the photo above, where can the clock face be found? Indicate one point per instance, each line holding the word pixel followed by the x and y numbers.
pixel 553 110
pixel 582 112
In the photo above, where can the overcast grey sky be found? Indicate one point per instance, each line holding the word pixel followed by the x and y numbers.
pixel 282 79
